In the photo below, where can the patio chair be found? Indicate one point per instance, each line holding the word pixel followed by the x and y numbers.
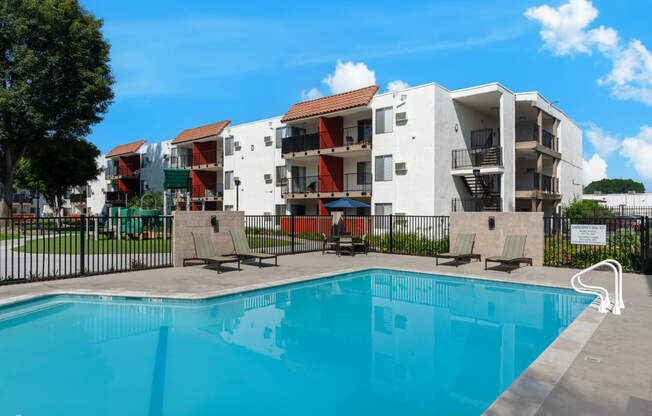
pixel 345 243
pixel 242 250
pixel 463 250
pixel 361 243
pixel 329 244
pixel 513 251
pixel 205 251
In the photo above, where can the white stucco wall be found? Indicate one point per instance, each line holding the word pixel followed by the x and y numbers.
pixel 507 140
pixel 570 166
pixel 257 196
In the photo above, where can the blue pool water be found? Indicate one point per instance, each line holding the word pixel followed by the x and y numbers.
pixel 373 342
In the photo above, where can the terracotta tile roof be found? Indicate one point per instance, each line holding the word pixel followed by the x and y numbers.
pixel 349 99
pixel 126 148
pixel 201 132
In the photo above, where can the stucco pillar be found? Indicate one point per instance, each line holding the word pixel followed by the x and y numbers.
pixel 555 129
pixel 540 125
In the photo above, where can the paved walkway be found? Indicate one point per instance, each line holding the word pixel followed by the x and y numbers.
pixel 610 375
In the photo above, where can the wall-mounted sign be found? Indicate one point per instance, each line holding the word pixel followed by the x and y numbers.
pixel 589 235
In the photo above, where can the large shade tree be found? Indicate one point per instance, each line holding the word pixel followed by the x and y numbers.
pixel 55 80
pixel 56 168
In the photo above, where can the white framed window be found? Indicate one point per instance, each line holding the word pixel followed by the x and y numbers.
pixel 228 180
pixel 383 209
pixel 281 133
pixel 384 168
pixel 384 119
pixel 228 146
pixel 281 175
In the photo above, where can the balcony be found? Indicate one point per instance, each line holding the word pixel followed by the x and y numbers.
pixel 22 199
pixel 79 198
pixel 478 157
pixel 328 186
pixel 549 143
pixel 117 172
pixel 181 161
pixel 481 203
pixel 527 186
pixel 353 138
pixel 209 192
pixel 115 197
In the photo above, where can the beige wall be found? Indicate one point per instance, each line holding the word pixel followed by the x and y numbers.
pixel 185 222
pixel 490 242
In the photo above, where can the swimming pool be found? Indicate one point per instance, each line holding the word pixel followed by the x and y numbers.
pixel 376 341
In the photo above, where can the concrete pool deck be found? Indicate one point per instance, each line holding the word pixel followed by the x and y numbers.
pixel 602 365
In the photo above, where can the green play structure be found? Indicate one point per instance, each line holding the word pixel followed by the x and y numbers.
pixel 132 221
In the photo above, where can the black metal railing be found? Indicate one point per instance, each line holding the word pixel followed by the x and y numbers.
pixel 125 170
pixel 479 157
pixel 114 196
pixel 627 241
pixel 301 143
pixel 211 190
pixel 547 138
pixel 481 203
pixel 530 182
pixel 346 136
pixel 181 161
pixel 59 247
pixel 350 182
pixel 396 234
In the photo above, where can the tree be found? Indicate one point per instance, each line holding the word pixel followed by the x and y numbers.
pixel 54 169
pixel 55 81
pixel 586 208
pixel 614 186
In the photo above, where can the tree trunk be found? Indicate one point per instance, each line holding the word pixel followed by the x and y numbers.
pixel 7 173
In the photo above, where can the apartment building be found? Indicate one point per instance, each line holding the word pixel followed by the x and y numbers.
pixel 426 150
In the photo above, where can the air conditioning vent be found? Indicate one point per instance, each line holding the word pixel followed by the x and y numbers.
pixel 268 139
pixel 401 117
pixel 236 145
pixel 268 177
pixel 400 167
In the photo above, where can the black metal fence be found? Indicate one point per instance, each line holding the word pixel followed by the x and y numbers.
pixel 627 241
pixel 397 234
pixel 60 247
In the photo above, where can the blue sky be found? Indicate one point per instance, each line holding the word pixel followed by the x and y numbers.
pixel 184 64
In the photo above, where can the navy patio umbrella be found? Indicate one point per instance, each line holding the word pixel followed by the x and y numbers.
pixel 346 203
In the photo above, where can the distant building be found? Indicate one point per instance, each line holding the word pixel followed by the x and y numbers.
pixel 627 200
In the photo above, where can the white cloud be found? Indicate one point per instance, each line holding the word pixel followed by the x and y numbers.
pixel 312 94
pixel 397 85
pixel 349 76
pixel 638 150
pixel 603 142
pixel 594 170
pixel 565 31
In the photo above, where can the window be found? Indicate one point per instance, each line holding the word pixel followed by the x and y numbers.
pixel 384 118
pixel 280 135
pixel 228 146
pixel 384 168
pixel 383 209
pixel 279 210
pixel 281 175
pixel 228 180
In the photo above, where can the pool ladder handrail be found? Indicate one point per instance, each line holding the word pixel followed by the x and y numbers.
pixel 600 291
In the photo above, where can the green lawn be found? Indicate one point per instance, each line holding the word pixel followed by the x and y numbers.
pixel 8 236
pixel 70 245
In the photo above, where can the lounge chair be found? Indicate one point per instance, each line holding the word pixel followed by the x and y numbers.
pixel 512 253
pixel 329 244
pixel 345 243
pixel 361 243
pixel 205 251
pixel 242 250
pixel 463 250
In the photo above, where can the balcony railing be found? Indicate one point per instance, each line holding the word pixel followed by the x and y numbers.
pixel 181 161
pixel 350 182
pixel 114 171
pixel 213 190
pixel 305 142
pixel 115 196
pixel 530 182
pixel 78 198
pixel 484 203
pixel 22 199
pixel 547 139
pixel 206 158
pixel 480 157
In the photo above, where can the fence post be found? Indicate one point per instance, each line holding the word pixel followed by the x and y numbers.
pixel 646 255
pixel 391 234
pixel 82 241
pixel 292 233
